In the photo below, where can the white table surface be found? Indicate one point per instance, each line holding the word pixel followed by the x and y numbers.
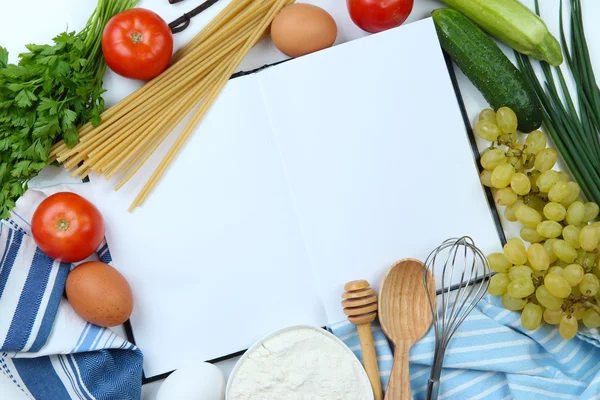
pixel 265 53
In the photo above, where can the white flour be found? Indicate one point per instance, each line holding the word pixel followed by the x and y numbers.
pixel 299 364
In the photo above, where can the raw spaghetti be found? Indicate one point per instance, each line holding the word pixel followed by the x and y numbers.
pixel 135 127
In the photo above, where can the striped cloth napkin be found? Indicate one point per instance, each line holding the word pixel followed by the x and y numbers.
pixel 492 356
pixel 46 349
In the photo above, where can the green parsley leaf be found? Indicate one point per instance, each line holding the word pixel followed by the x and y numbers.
pixel 51 92
pixel 25 98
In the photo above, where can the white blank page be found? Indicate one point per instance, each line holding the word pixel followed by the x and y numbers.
pixel 321 170
pixel 377 156
pixel 215 256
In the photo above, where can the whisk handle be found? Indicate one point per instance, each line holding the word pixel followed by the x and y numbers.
pixel 399 383
pixel 433 388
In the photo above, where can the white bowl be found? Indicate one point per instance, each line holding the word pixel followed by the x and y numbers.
pixel 364 379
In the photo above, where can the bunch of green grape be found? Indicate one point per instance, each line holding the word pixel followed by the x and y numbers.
pixel 551 272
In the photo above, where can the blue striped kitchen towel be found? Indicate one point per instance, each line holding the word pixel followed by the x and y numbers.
pixel 46 349
pixel 492 356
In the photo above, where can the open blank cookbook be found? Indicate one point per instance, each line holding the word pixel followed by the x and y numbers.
pixel 306 175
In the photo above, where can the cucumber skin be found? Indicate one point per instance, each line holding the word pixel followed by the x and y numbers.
pixel 482 61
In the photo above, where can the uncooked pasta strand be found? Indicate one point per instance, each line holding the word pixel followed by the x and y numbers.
pixel 206 104
pixel 97 153
pixel 189 106
pixel 177 115
pixel 164 93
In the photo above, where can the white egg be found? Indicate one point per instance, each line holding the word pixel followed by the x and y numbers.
pixel 202 381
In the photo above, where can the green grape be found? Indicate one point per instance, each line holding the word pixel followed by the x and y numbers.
pixel 559 191
pixel 498 284
pixel 574 191
pixel 555 270
pixel 546 180
pixel 549 229
pixel 487 130
pixel 573 273
pixel 520 288
pixel 514 251
pixel 590 211
pixel 528 216
pixel 510 211
pixel 582 256
pixel 578 313
pixel 591 318
pixel 487 114
pixel 589 285
pixel 546 299
pixel 509 137
pixel 533 175
pixel 486 178
pixel 568 327
pixel 555 211
pixel 536 142
pixel 520 271
pixel 552 317
pixel 510 303
pixel 596 269
pixel 557 285
pixel 528 161
pixel 505 196
pixel 531 316
pixel 490 159
pixel 498 263
pixel 502 175
pixel 575 291
pixel 537 204
pixel 548 248
pixel 563 176
pixel 571 235
pixel 588 238
pixel 507 120
pixel 596 225
pixel 575 213
pixel 538 259
pixel 520 184
pixel 531 235
pixel 564 251
pixel 545 159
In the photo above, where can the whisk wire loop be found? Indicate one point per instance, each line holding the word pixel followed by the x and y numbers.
pixel 464 273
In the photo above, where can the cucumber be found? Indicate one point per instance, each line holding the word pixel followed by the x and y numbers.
pixel 482 61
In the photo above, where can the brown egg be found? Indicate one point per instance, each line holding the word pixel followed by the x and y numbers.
pixel 301 29
pixel 99 294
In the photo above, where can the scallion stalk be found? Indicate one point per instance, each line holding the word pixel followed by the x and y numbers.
pixel 574 130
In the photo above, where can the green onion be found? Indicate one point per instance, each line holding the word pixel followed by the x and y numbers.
pixel 91 35
pixel 574 128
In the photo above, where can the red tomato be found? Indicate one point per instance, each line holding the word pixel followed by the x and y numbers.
pixel 379 15
pixel 137 44
pixel 67 227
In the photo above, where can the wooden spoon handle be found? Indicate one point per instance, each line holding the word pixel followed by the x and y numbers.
pixel 399 384
pixel 370 358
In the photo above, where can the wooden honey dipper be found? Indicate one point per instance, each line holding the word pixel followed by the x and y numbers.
pixel 360 305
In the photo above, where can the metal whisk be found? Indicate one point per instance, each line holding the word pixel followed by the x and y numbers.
pixel 465 275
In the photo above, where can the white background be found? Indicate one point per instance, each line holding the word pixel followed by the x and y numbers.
pixel 37 21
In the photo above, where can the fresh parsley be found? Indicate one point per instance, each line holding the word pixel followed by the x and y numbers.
pixel 47 96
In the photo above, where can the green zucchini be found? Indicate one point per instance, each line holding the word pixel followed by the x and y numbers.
pixel 482 61
pixel 514 24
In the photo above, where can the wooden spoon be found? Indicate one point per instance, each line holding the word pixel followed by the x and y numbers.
pixel 360 305
pixel 405 316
